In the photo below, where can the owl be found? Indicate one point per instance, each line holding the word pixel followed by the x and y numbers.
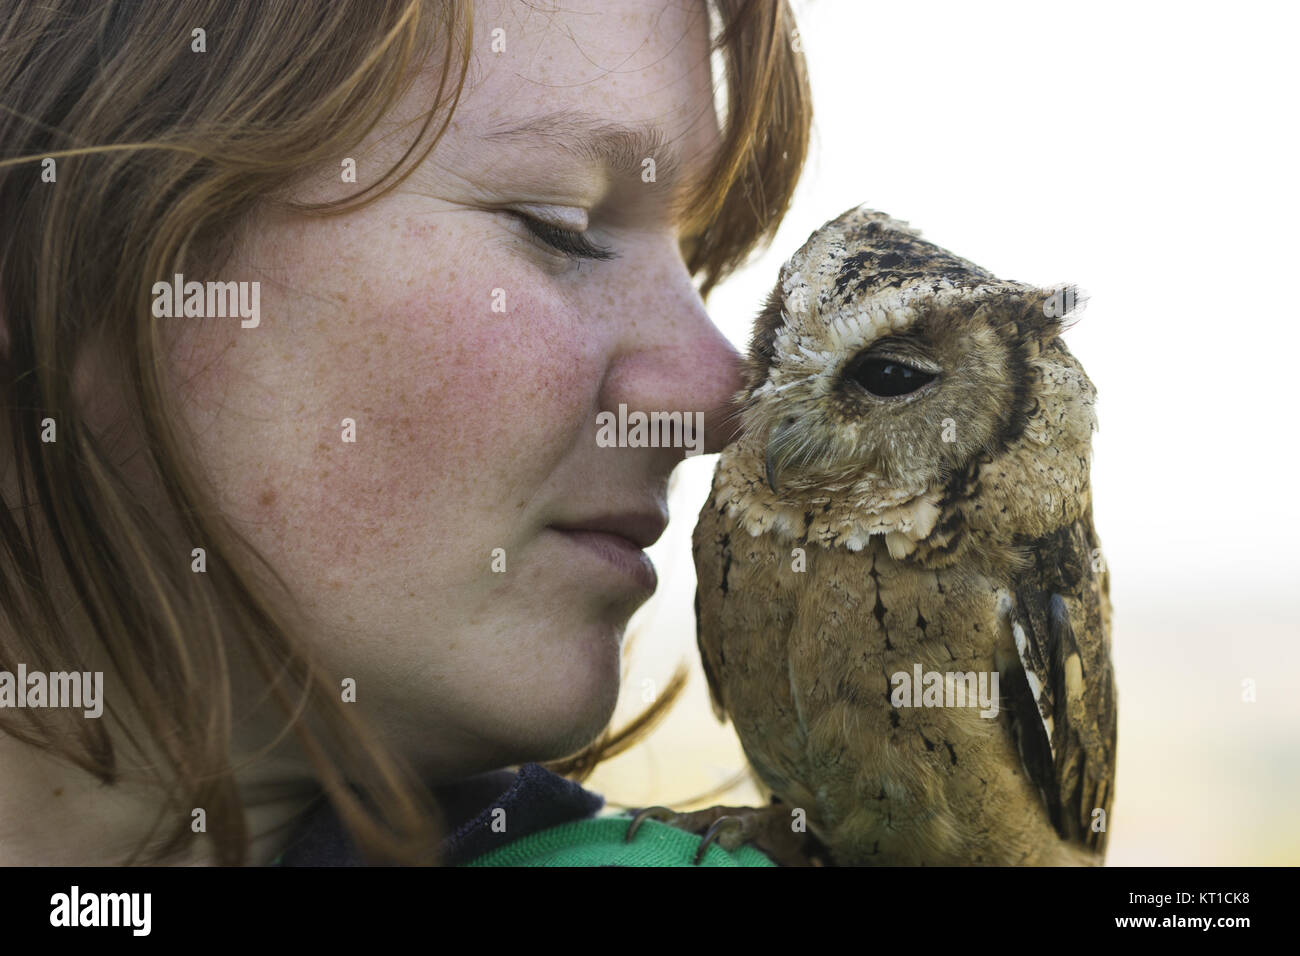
pixel 902 605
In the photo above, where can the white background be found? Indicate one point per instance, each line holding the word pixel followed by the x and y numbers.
pixel 1147 152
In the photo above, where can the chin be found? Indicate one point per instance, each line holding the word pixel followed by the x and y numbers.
pixel 578 700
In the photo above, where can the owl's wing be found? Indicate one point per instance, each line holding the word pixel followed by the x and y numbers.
pixel 1064 699
pixel 711 547
pixel 715 689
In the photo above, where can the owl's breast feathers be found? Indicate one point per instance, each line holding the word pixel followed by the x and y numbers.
pixel 801 661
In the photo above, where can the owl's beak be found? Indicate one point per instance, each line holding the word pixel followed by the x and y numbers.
pixel 777 453
pixel 771 471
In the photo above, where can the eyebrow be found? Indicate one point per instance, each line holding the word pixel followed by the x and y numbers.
pixel 617 147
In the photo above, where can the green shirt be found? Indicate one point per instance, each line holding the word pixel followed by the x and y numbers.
pixel 601 842
pixel 530 818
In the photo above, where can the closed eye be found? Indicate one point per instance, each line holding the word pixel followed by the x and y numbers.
pixel 568 242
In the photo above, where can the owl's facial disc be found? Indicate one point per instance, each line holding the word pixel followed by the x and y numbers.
pixel 879 380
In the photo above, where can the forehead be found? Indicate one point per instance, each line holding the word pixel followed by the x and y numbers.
pixel 631 63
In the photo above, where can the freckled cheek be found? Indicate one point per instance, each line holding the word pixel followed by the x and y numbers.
pixel 460 417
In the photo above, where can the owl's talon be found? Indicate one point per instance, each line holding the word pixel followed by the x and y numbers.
pixel 662 814
pixel 713 832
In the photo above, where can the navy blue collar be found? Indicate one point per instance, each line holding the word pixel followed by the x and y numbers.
pixel 533 799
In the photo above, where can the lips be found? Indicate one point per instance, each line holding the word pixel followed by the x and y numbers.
pixel 619 540
pixel 642 529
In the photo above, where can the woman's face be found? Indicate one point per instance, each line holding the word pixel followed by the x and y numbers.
pixel 476 427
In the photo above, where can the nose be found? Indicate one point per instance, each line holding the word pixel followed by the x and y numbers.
pixel 672 358
pixel 722 422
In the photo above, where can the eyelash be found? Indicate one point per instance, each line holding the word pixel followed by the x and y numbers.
pixel 574 245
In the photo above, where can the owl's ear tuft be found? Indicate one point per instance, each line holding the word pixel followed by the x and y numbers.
pixel 1054 309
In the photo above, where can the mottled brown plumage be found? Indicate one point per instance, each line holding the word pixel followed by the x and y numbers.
pixel 910 487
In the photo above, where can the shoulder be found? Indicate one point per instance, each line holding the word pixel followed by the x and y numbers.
pixel 531 817
pixel 603 841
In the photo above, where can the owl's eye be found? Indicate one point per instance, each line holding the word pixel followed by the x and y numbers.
pixel 888 378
